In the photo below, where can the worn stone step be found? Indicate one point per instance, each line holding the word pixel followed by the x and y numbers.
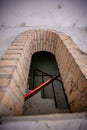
pixel 36 106
pixel 77 121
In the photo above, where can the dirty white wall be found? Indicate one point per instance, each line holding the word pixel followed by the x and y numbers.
pixel 43 12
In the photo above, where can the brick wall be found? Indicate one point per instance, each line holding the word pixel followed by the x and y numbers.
pixel 15 64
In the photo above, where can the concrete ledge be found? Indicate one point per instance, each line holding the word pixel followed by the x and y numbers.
pixel 77 121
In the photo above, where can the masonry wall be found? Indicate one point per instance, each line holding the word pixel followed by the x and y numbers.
pixel 15 64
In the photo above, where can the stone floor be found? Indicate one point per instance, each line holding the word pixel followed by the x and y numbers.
pixel 38 106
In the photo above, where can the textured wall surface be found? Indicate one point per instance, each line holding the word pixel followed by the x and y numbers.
pixel 43 13
pixel 15 64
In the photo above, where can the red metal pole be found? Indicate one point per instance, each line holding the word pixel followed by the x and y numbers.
pixel 30 94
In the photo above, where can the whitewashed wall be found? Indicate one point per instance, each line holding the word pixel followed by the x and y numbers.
pixel 43 12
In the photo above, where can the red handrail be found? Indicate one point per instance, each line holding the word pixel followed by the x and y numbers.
pixel 31 93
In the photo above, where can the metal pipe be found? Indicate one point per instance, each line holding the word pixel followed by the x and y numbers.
pixel 33 78
pixel 66 98
pixel 43 88
pixel 54 94
pixel 33 92
pixel 45 73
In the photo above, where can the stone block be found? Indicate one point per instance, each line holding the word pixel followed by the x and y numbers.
pixel 82 84
pixel 76 106
pixel 19 69
pixel 18 44
pixel 4 82
pixel 17 91
pixel 12 56
pixel 72 96
pixel 16 47
pixel 63 36
pixel 8 62
pixel 14 52
pixel 6 70
pixel 9 102
pixel 20 40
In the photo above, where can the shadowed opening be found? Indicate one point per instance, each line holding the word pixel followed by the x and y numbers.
pixel 44 64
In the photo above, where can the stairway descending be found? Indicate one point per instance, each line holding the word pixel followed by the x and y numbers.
pixel 37 106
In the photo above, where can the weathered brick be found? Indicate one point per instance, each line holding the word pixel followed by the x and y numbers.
pixel 41 38
pixel 19 81
pixel 20 40
pixel 35 35
pixel 38 35
pixel 73 96
pixel 23 67
pixel 63 36
pixel 14 52
pixel 6 70
pixel 16 91
pixel 55 41
pixel 84 100
pixel 64 62
pixel 8 62
pixel 84 70
pixel 44 38
pixel 18 44
pixel 16 47
pixel 77 73
pixel 76 53
pixel 4 82
pixel 48 34
pixel 70 45
pixel 81 62
pixel 67 67
pixel 82 84
pixel 60 50
pixel 8 101
pixel 76 106
pixel 19 69
pixel 54 51
pixel 12 56
pixel 74 74
pixel 63 56
pixel 50 37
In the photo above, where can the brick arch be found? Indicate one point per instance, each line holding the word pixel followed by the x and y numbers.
pixel 15 64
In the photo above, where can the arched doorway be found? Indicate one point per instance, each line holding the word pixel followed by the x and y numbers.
pixel 42 65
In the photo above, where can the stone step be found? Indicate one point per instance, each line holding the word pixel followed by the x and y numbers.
pixel 76 121
pixel 54 88
pixel 36 106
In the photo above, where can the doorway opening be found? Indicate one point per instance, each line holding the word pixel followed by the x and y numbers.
pixel 52 98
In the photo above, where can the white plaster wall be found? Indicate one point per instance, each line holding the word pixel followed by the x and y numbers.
pixel 43 12
pixel 68 16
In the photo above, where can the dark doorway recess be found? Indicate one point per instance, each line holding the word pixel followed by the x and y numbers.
pixel 43 66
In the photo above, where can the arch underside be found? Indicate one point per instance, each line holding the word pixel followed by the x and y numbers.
pixel 15 64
